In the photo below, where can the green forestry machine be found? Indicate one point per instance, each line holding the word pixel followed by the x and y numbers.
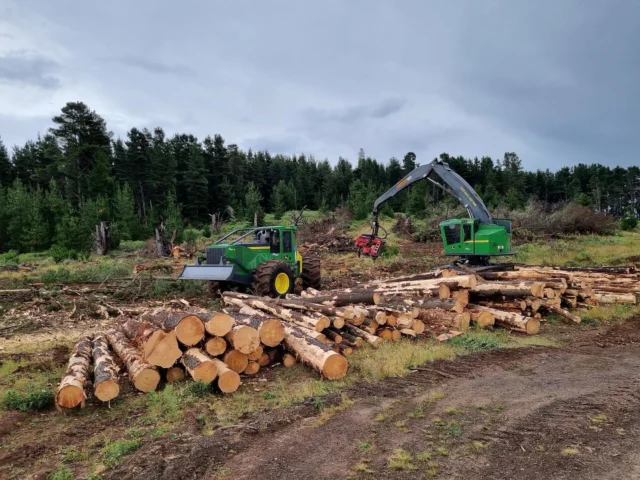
pixel 475 239
pixel 263 258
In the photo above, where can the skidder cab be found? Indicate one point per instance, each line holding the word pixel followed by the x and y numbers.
pixel 263 258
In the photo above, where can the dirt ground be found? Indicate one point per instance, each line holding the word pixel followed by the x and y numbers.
pixel 527 413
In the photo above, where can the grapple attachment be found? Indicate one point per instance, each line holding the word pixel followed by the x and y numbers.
pixel 370 245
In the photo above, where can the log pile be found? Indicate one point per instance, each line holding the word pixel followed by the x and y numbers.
pixel 320 329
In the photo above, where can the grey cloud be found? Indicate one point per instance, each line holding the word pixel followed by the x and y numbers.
pixel 355 113
pixel 24 69
pixel 153 66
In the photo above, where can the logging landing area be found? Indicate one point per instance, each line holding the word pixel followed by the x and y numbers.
pixel 569 410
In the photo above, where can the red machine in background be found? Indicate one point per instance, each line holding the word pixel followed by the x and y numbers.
pixel 370 245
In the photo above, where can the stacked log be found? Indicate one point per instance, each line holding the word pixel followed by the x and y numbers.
pixel 105 372
pixel 70 392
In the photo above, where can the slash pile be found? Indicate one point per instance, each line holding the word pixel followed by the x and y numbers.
pixel 320 329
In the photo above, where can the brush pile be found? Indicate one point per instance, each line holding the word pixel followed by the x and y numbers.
pixel 321 328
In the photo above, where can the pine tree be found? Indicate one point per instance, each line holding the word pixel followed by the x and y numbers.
pixel 279 199
pixel 252 205
pixel 194 184
pixel 26 229
pixel 7 172
pixel 124 214
pixel 173 218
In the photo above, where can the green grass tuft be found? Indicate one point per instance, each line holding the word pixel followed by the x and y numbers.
pixel 35 400
pixel 476 341
pixel 113 452
pixel 61 473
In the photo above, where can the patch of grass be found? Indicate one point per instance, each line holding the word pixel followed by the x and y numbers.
pixel 197 389
pixel 364 446
pixel 362 467
pixel 442 450
pixel 380 417
pixel 100 272
pixel 221 473
pixel 329 412
pixel 418 412
pixel 35 400
pixel 453 428
pixel 131 245
pixel 451 411
pixel 475 341
pixel 608 313
pixel 401 460
pixel 477 445
pixel 570 451
pixel 113 452
pixel 317 402
pixel 164 405
pixel 72 455
pixel 599 418
pixel 399 357
pixel 423 456
pixel 402 426
pixel 61 473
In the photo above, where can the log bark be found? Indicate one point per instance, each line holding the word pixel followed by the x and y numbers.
pixel 512 321
pixel 101 238
pixel 158 347
pixel 175 374
pixel 457 321
pixel 611 298
pixel 564 313
pixel 237 361
pixel 189 327
pixel 332 335
pixel 215 346
pixel 330 364
pixel 349 297
pixel 367 337
pixel 446 304
pixel 291 316
pixel 145 377
pixel 409 278
pixel 70 393
pixel 512 304
pixel 355 341
pixel 512 289
pixel 105 372
pixel 309 305
pixel 458 281
pixel 199 365
pixel 228 379
pixel 244 339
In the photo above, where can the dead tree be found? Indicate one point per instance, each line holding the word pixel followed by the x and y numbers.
pixel 163 244
pixel 101 238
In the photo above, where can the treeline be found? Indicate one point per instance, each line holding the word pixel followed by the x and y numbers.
pixel 54 190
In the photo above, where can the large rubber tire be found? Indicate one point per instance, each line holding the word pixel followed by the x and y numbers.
pixel 264 280
pixel 311 275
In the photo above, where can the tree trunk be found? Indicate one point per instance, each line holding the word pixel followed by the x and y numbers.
pixel 270 330
pixel 349 297
pixel 215 346
pixel 512 321
pixel 446 304
pixel 291 316
pixel 200 366
pixel 459 281
pixel 101 238
pixel 563 313
pixel 612 298
pixel 332 365
pixel 144 376
pixel 237 361
pixel 105 372
pixel 482 319
pixel 175 374
pixel 309 305
pixel 70 392
pixel 356 341
pixel 189 327
pixel 457 321
pixel 162 244
pixel 228 379
pixel 512 289
pixel 157 346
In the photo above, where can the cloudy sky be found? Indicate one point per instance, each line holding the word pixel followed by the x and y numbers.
pixel 558 82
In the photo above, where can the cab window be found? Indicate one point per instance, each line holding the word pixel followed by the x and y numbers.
pixel 452 234
pixel 466 229
pixel 286 242
pixel 275 241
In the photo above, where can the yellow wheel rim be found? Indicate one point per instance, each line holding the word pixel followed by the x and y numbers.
pixel 282 283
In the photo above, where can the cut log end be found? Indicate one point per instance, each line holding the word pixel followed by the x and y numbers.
pixel 236 360
pixel 147 380
pixel 200 366
pixel 175 374
pixel 335 367
pixel 244 339
pixel 190 330
pixel 271 332
pixel 70 396
pixel 288 360
pixel 252 368
pixel 533 326
pixel 219 324
pixel 215 346
pixel 228 380
pixel 107 390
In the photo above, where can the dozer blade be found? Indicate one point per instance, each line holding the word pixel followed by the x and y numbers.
pixel 206 272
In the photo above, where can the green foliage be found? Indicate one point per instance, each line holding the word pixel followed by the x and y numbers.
pixel 197 389
pixel 33 400
pixel 361 199
pixel 114 451
pixel 280 200
pixel 59 253
pixel 124 214
pixel 9 258
pixel 61 473
pixel 629 220
pixel 164 405
pixel 191 235
pixel 131 245
pixel 252 200
pixel 475 342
